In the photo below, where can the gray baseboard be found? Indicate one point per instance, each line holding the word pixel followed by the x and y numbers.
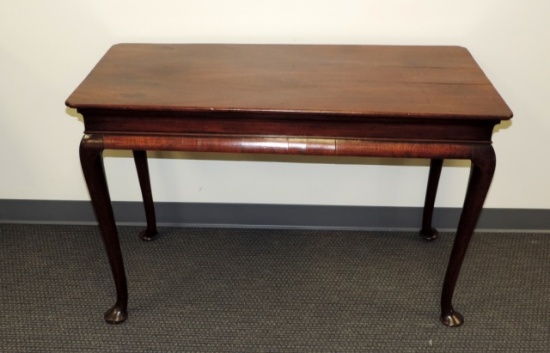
pixel 270 216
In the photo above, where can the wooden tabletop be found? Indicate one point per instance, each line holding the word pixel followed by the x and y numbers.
pixel 393 81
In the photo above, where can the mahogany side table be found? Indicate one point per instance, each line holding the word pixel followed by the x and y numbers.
pixel 333 100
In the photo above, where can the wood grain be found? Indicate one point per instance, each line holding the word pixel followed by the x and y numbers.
pixel 394 81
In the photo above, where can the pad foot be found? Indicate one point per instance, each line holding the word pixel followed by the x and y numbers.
pixel 147 235
pixel 452 319
pixel 115 315
pixel 429 234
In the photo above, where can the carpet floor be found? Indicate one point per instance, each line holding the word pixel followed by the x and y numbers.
pixel 258 290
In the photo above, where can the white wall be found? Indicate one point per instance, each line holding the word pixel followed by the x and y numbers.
pixel 47 48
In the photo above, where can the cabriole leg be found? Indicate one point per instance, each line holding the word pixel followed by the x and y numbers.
pixel 140 158
pixel 481 175
pixel 428 232
pixel 91 159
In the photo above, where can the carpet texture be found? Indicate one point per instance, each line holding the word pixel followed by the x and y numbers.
pixel 250 290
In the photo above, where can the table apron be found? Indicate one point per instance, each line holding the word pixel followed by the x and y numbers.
pixel 295 146
pixel 288 125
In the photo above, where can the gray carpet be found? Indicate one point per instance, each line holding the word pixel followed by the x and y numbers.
pixel 244 290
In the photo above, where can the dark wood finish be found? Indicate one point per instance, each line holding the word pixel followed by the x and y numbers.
pixel 91 157
pixel 382 101
pixel 482 170
pixel 140 159
pixel 427 231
